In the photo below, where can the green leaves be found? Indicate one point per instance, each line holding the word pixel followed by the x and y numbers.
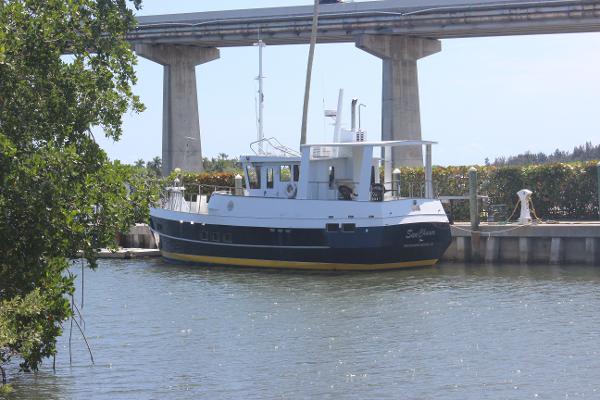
pixel 64 67
pixel 30 323
pixel 560 190
pixel 66 95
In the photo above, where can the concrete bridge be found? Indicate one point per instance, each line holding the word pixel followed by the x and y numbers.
pixel 399 32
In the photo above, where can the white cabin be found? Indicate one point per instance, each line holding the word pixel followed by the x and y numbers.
pixel 330 171
pixel 269 176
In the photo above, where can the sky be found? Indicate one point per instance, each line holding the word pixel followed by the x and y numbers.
pixel 480 97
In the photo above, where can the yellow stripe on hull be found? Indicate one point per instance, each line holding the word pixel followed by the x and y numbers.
pixel 247 262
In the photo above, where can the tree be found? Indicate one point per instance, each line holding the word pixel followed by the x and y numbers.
pixel 585 152
pixel 154 166
pixel 221 164
pixel 59 193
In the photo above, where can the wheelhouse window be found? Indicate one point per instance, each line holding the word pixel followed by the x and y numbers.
pixel 372 174
pixel 285 173
pixel 270 178
pixel 253 176
pixel 331 176
pixel 296 173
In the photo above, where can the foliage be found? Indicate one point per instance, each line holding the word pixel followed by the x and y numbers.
pixel 221 164
pixel 59 193
pixel 6 389
pixel 560 191
pixel 586 152
pixel 143 189
pixel 152 167
pixel 32 311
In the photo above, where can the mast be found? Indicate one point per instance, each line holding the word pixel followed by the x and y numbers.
pixel 261 96
pixel 338 117
pixel 311 53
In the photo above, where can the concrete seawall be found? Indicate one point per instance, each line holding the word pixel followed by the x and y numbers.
pixel 139 236
pixel 562 243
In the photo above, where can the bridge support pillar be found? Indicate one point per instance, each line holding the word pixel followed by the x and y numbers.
pixel 181 146
pixel 400 114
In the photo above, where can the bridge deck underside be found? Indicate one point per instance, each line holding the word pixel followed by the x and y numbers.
pixel 346 23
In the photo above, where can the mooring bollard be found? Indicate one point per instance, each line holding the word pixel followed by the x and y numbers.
pixel 473 206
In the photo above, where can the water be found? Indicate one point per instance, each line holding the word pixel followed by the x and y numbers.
pixel 453 332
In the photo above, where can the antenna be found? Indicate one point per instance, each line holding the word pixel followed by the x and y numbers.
pixel 261 96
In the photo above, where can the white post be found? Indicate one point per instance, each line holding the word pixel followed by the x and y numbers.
pixel 239 191
pixel 304 173
pixel 428 173
pixel 387 167
pixel 364 193
pixel 396 182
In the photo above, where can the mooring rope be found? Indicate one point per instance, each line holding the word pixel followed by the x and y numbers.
pixel 489 234
pixel 513 213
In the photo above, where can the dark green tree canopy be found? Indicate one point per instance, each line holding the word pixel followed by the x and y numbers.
pixel 65 67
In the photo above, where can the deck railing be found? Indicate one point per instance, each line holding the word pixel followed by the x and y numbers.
pixel 191 197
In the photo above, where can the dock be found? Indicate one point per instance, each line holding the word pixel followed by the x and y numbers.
pixel 541 243
pixel 128 253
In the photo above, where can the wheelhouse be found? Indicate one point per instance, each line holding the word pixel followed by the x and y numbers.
pixel 332 171
pixel 268 176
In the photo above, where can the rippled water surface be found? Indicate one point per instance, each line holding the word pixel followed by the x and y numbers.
pixel 160 331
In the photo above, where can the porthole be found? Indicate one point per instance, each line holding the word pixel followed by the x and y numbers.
pixel 332 227
pixel 348 228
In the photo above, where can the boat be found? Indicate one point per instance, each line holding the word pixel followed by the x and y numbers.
pixel 326 207
pixel 323 208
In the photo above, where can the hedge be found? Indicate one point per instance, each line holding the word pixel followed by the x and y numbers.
pixel 560 191
pixel 214 179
